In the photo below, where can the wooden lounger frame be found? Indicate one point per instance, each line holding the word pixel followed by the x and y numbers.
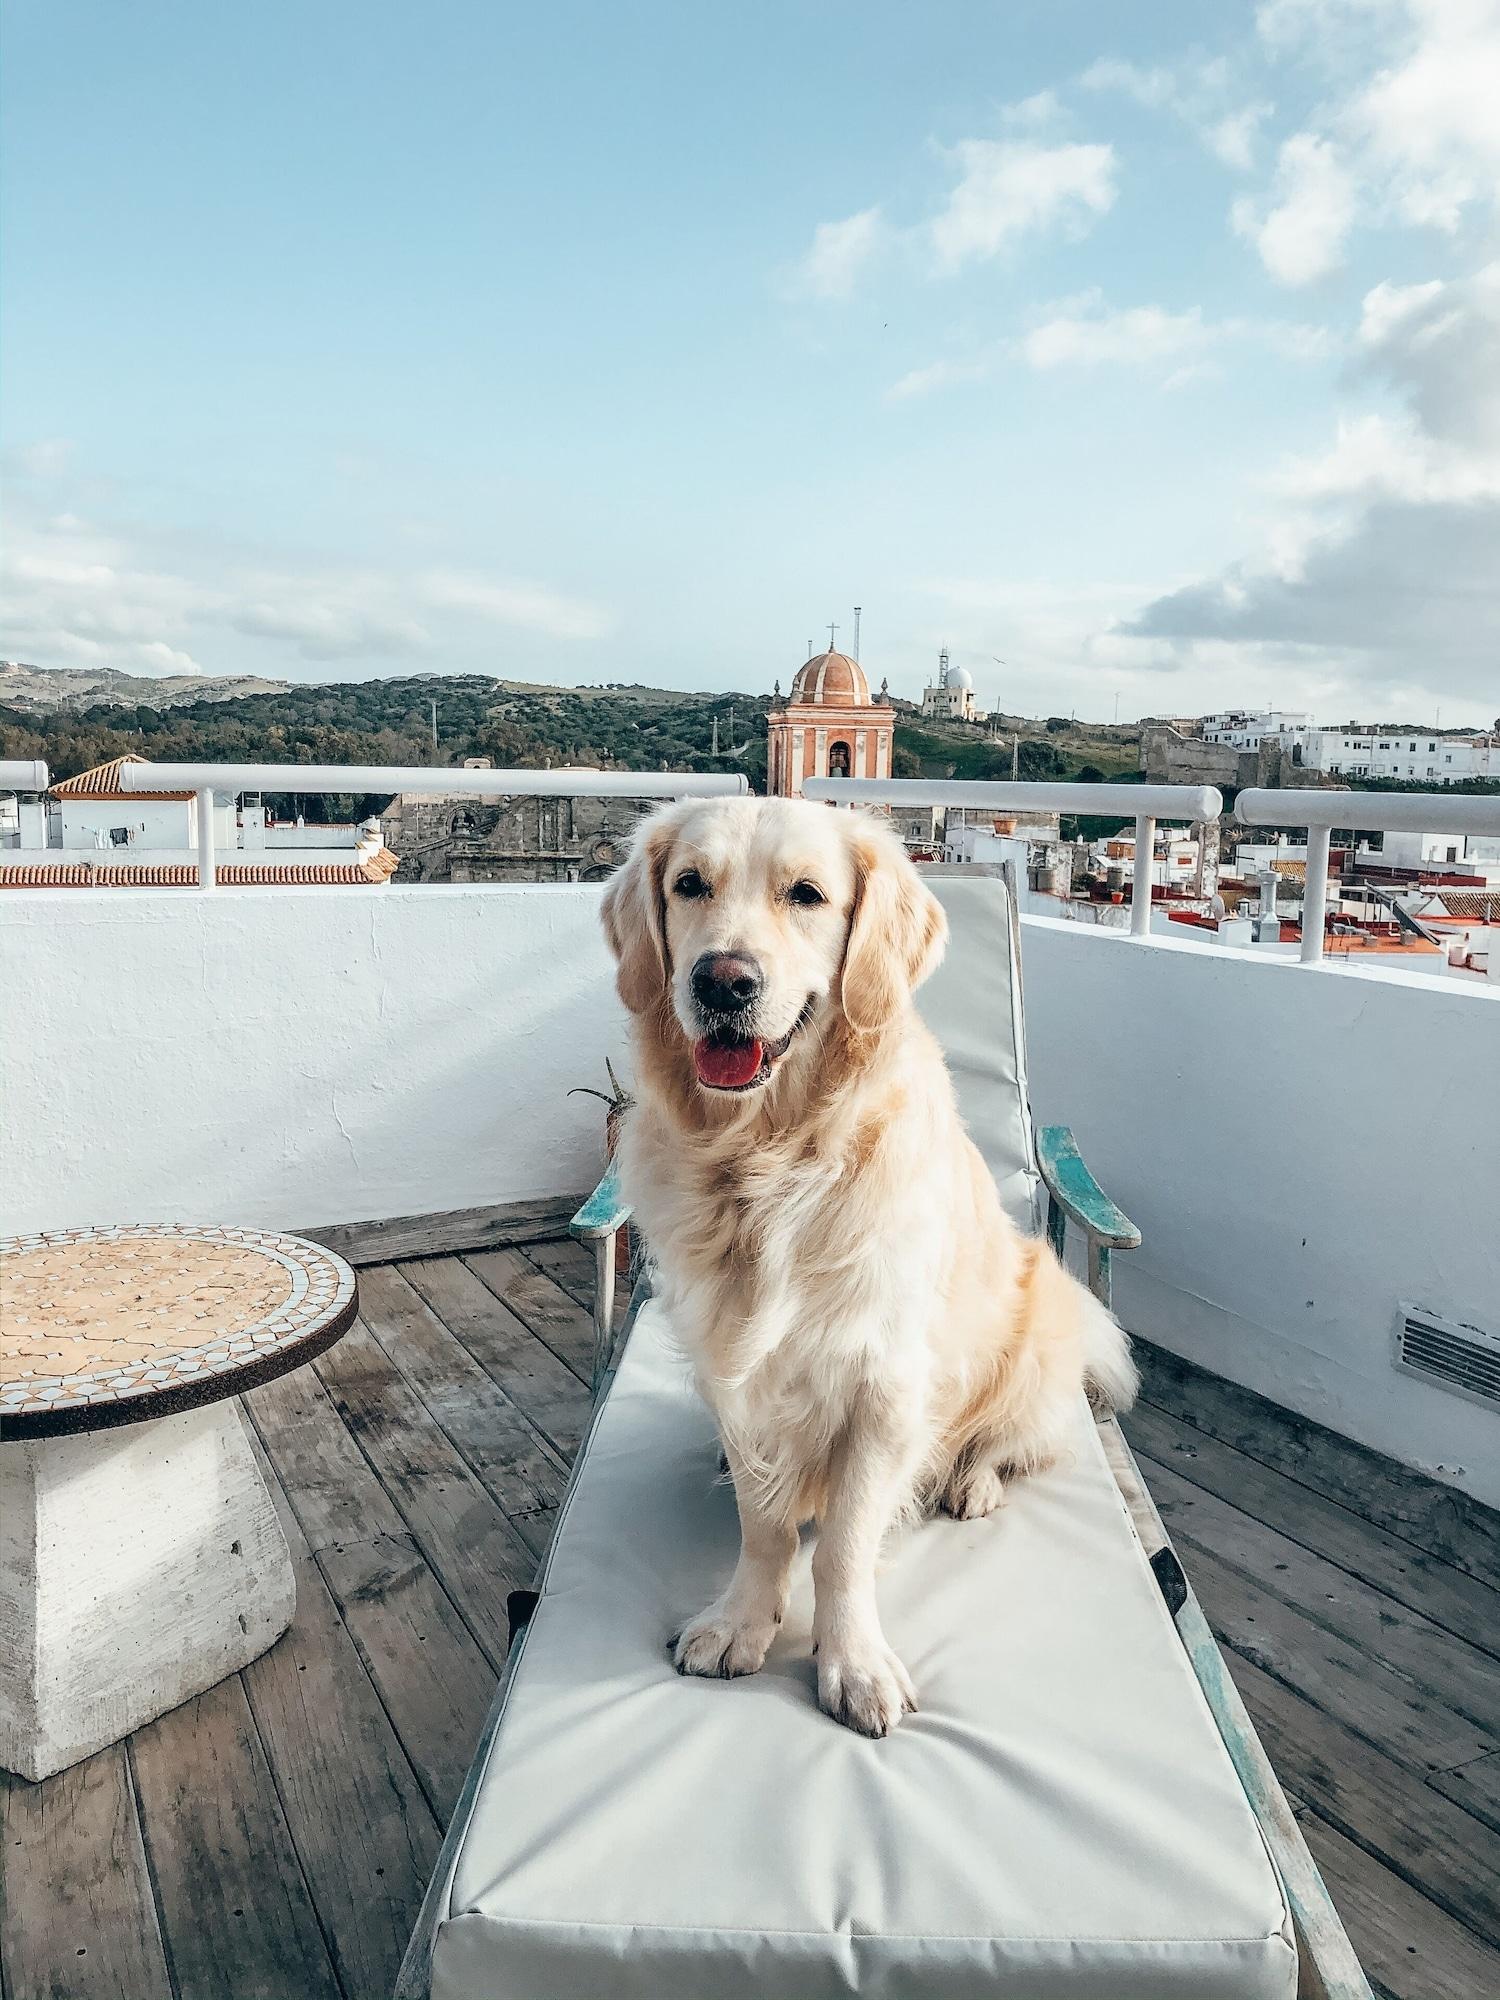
pixel 1327 1968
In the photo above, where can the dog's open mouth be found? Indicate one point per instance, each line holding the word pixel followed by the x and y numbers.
pixel 725 1061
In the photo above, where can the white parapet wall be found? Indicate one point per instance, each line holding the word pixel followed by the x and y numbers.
pixel 1305 1150
pixel 286 1057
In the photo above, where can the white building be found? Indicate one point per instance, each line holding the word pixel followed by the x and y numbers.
pixel 1242 729
pixel 1414 756
pixel 92 833
pixel 1471 854
pixel 951 699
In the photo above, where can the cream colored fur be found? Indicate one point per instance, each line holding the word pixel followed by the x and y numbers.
pixel 869 1329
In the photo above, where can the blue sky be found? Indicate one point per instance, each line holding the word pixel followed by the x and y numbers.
pixel 1154 352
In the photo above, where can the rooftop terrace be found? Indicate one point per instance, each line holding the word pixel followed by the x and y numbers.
pixel 230 1848
pixel 1312 1153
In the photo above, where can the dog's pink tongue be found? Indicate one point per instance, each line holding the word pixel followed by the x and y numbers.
pixel 727 1065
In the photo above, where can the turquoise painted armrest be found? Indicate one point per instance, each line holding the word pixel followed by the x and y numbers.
pixel 603 1213
pixel 1077 1193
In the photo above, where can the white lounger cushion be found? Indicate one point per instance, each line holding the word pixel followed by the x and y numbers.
pixel 1061 1819
pixel 970 1004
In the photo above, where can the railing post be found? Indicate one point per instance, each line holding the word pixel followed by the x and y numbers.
pixel 1140 888
pixel 208 874
pixel 1315 893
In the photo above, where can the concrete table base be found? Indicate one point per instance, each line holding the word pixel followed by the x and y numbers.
pixel 138 1566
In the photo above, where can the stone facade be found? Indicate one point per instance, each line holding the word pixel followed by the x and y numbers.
pixel 1170 758
pixel 453 838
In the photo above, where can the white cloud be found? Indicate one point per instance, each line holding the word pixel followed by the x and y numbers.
pixel 840 252
pixel 1198 93
pixel 44 458
pixel 1301 235
pixel 1408 134
pixel 1086 332
pixel 1137 336
pixel 1387 562
pixel 75 595
pixel 1232 138
pixel 523 606
pixel 327 625
pixel 1008 189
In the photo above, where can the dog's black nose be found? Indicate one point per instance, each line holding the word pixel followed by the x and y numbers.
pixel 726 982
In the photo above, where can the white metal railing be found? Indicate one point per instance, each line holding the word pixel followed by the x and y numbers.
pixel 425 779
pixel 1145 803
pixel 23 774
pixel 1365 812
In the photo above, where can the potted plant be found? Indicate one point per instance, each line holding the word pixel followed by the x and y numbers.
pixel 617 1100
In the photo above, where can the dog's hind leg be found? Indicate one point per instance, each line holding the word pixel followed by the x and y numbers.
pixel 973 1487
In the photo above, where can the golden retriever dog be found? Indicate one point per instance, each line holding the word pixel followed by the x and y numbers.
pixel 869 1329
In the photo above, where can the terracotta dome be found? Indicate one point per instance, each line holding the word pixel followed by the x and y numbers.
pixel 834 678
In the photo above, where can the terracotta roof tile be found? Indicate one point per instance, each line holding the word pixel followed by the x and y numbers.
pixel 103 782
pixel 1482 905
pixel 107 874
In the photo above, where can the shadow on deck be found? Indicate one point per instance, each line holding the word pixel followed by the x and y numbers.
pixel 274 1837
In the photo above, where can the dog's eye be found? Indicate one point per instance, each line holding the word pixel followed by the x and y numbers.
pixel 808 894
pixel 691 885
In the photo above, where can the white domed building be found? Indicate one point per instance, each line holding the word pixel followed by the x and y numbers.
pixel 952 698
pixel 830 727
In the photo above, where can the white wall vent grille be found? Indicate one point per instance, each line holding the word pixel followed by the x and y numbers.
pixel 1453 1354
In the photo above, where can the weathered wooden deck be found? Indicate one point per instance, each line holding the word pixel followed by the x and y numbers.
pixel 273 1838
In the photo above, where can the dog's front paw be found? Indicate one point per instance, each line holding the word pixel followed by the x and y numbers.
pixel 720 1646
pixel 972 1492
pixel 869 1691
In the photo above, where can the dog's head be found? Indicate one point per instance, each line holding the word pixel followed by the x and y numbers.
pixel 744 921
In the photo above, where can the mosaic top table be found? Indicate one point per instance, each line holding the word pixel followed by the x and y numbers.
pixel 141 1559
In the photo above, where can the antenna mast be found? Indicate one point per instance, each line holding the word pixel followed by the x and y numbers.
pixel 856 631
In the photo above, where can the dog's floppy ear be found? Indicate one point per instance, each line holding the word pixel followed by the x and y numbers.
pixel 896 936
pixel 634 917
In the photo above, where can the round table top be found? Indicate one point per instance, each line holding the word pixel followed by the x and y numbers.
pixel 111 1326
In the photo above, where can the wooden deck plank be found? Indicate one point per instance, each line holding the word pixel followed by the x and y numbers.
pixel 1475 1787
pixel 435 1681
pixel 1450 1597
pixel 474 1551
pixel 1343 1680
pixel 1410 1949
pixel 569 1265
pixel 337 1763
pixel 549 1397
pixel 432 1677
pixel 327 1478
pixel 351 1741
pixel 238 1921
pixel 524 1472
pixel 1435 1517
pixel 77 1914
pixel 447 1232
pixel 1430 1658
pixel 1443 1852
pixel 557 1320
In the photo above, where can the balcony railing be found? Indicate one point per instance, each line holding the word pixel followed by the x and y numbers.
pixel 425 779
pixel 1319 811
pixel 1364 812
pixel 23 774
pixel 1147 804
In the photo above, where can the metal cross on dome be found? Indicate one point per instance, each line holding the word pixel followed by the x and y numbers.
pixel 831 630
